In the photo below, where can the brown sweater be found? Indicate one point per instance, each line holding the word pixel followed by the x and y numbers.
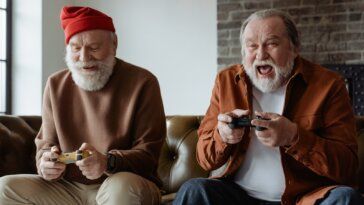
pixel 126 117
pixel 317 100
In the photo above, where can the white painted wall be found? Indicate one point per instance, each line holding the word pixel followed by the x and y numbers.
pixel 38 47
pixel 174 39
pixel 27 57
pixel 53 47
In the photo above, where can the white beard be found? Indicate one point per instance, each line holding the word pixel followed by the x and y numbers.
pixel 90 81
pixel 267 85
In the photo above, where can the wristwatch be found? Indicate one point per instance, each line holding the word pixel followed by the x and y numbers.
pixel 111 163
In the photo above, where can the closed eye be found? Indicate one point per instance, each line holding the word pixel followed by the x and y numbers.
pixel 252 46
pixel 75 48
pixel 94 49
pixel 273 44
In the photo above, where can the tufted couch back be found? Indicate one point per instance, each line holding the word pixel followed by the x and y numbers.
pixel 17 148
pixel 177 162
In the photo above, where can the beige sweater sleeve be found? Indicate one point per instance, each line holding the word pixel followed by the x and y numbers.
pixel 148 135
pixel 47 136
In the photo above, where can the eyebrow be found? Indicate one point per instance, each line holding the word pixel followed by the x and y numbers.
pixel 73 44
pixel 248 39
pixel 94 44
pixel 273 37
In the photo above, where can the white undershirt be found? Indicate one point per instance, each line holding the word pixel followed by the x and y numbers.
pixel 261 175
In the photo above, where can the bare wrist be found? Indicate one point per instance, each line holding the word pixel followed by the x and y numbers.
pixel 294 139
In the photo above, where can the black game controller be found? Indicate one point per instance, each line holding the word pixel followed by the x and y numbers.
pixel 260 128
pixel 245 121
pixel 240 122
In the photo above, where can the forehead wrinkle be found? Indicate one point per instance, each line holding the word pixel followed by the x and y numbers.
pixel 89 37
pixel 265 28
pixel 77 39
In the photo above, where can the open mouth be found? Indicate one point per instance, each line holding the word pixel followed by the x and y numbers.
pixel 90 69
pixel 265 70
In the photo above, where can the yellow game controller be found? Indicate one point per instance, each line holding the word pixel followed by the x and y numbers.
pixel 72 157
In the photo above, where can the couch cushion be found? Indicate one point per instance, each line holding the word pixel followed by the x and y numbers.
pixel 177 162
pixel 17 144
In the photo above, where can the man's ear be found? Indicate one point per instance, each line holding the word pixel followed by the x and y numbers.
pixel 115 42
pixel 296 50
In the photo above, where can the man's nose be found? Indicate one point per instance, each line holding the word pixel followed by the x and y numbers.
pixel 84 55
pixel 261 54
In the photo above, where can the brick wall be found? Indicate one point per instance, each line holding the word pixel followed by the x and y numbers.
pixel 332 31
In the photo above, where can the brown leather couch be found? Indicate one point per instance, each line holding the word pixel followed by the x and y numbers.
pixel 176 164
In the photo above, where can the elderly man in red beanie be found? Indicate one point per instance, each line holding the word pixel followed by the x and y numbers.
pixel 103 106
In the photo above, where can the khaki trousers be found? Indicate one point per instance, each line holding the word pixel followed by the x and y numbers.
pixel 123 188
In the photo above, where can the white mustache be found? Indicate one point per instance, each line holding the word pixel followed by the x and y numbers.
pixel 81 65
pixel 262 63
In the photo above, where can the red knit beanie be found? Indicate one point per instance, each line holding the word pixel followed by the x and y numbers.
pixel 77 19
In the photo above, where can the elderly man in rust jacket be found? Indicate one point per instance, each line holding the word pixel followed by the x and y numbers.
pixel 305 150
pixel 103 106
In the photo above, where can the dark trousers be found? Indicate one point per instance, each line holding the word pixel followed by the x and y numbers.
pixel 204 191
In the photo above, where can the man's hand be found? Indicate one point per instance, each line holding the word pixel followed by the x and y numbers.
pixel 93 166
pixel 280 130
pixel 228 135
pixel 49 167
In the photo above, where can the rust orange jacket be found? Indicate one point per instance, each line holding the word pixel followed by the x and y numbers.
pixel 317 100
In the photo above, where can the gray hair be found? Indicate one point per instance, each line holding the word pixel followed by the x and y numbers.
pixel 113 35
pixel 291 28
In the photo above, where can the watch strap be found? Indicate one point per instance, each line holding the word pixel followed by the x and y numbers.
pixel 111 163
